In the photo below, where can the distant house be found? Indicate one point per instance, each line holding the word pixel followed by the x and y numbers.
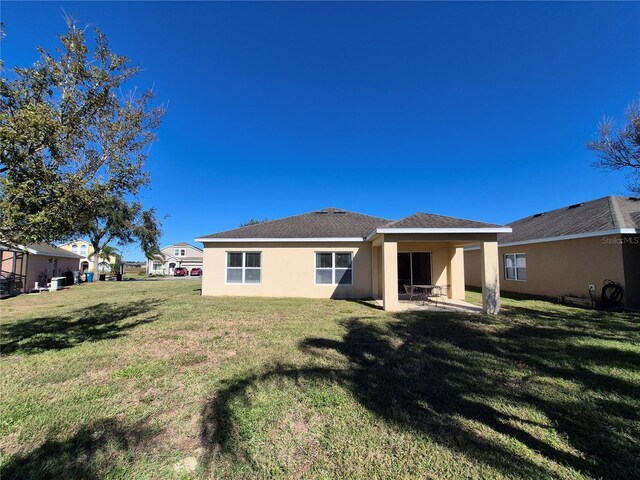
pixel 174 256
pixel 562 252
pixel 333 253
pixel 23 266
pixel 85 250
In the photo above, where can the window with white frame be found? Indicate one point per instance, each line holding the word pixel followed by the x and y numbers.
pixel 334 268
pixel 515 266
pixel 83 250
pixel 157 267
pixel 179 252
pixel 244 267
pixel 74 248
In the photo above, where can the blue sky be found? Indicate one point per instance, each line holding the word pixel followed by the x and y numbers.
pixel 475 110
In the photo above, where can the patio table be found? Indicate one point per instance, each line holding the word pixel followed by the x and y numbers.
pixel 429 291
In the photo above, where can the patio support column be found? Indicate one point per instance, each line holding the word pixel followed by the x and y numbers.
pixel 375 279
pixel 489 269
pixel 455 273
pixel 390 276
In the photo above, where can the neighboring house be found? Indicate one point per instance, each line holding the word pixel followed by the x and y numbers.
pixel 85 250
pixel 563 251
pixel 22 266
pixel 176 255
pixel 333 253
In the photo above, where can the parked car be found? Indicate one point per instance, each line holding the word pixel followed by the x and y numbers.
pixel 180 272
pixel 196 272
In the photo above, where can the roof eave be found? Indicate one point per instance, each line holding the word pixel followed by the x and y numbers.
pixel 575 236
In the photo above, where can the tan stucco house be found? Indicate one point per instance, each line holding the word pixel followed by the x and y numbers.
pixel 562 252
pixel 173 256
pixel 333 253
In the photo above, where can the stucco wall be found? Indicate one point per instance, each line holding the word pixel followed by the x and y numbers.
pixel 288 270
pixel 472 268
pixel 565 267
pixel 38 268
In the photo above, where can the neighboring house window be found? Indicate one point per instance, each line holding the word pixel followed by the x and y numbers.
pixel 244 267
pixel 515 266
pixel 83 250
pixel 157 266
pixel 74 248
pixel 179 252
pixel 334 268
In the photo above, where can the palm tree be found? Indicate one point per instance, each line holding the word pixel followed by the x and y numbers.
pixel 106 253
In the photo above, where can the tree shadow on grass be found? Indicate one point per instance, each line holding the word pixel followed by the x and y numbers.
pixel 56 332
pixel 87 454
pixel 454 377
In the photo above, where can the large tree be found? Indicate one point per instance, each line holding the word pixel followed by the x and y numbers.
pixel 115 219
pixel 619 149
pixel 253 221
pixel 74 147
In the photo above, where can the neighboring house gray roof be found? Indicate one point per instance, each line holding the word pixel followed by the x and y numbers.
pixel 51 251
pixel 602 215
pixel 182 244
pixel 337 223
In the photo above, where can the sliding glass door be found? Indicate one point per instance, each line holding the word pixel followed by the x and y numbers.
pixel 414 268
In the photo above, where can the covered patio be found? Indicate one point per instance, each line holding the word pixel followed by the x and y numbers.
pixel 417 251
pixel 13 263
pixel 444 305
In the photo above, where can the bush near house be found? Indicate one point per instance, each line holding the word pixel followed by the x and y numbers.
pixel 159 382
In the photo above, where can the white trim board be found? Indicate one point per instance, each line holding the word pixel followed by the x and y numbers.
pixel 618 231
pixel 278 240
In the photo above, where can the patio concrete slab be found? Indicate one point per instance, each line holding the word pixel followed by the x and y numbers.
pixel 448 305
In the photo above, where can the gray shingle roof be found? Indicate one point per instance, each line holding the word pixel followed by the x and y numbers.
pixel 183 244
pixel 326 223
pixel 600 215
pixel 429 220
pixel 336 223
pixel 50 250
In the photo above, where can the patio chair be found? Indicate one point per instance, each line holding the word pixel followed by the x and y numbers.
pixel 437 292
pixel 413 291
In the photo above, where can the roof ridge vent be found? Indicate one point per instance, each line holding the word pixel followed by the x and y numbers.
pixel 538 215
pixel 575 205
pixel 321 212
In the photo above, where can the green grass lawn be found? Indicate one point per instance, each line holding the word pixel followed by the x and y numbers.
pixel 143 379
